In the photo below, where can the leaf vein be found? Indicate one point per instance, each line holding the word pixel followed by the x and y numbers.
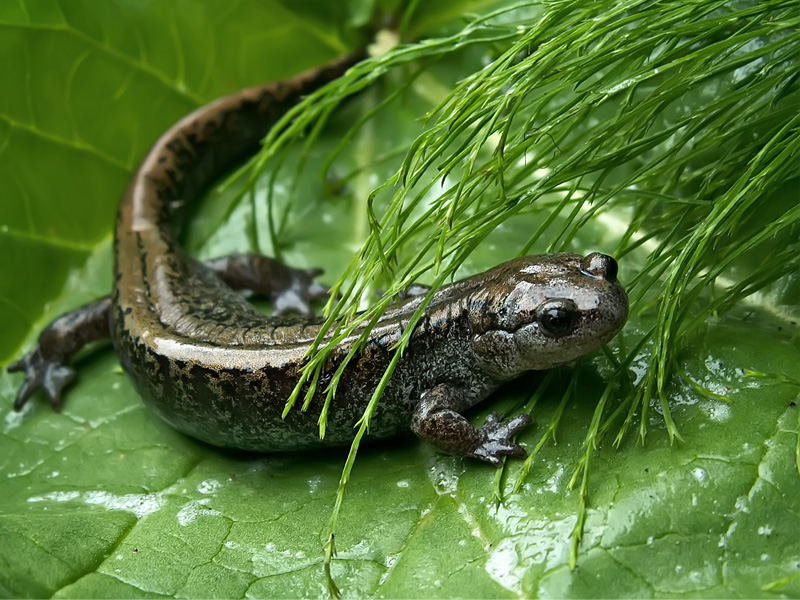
pixel 47 240
pixel 127 60
pixel 74 144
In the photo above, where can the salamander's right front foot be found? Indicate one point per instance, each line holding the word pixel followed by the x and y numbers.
pixel 437 420
pixel 49 374
pixel 498 439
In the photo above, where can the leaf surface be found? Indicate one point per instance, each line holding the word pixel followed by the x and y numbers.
pixel 105 500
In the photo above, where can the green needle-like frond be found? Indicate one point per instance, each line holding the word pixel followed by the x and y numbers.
pixel 677 122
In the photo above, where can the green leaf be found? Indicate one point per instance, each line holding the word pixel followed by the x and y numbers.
pixel 105 500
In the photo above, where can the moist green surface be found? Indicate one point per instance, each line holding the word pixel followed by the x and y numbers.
pixel 105 500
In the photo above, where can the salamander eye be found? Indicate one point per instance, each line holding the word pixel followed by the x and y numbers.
pixel 557 317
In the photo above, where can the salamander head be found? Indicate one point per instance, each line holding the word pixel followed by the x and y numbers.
pixel 538 312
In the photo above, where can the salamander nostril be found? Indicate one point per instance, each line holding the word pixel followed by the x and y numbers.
pixel 600 265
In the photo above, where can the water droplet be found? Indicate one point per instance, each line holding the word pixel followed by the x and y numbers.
pixel 208 486
pixel 701 476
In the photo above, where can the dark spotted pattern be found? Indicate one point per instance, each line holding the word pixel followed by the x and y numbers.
pixel 217 369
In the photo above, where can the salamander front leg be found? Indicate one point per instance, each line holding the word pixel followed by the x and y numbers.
pixel 437 420
pixel 290 290
pixel 47 365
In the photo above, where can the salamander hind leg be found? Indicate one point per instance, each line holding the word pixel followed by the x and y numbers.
pixel 290 290
pixel 47 365
pixel 437 420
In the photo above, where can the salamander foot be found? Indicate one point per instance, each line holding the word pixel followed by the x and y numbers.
pixel 289 289
pixel 437 420
pixel 49 374
pixel 302 290
pixel 47 365
pixel 498 434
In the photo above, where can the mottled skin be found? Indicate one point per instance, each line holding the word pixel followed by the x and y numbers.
pixel 217 369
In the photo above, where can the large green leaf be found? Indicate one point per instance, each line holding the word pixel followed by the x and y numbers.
pixel 104 500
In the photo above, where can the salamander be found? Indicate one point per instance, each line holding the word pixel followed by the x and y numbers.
pixel 217 369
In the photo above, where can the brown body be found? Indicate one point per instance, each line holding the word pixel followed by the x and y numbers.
pixel 219 370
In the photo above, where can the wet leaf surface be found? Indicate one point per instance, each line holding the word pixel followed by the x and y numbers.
pixel 105 500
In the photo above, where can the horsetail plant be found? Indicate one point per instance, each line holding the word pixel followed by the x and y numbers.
pixel 677 121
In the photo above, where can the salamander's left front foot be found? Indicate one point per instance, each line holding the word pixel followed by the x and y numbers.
pixel 50 375
pixel 290 290
pixel 297 297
